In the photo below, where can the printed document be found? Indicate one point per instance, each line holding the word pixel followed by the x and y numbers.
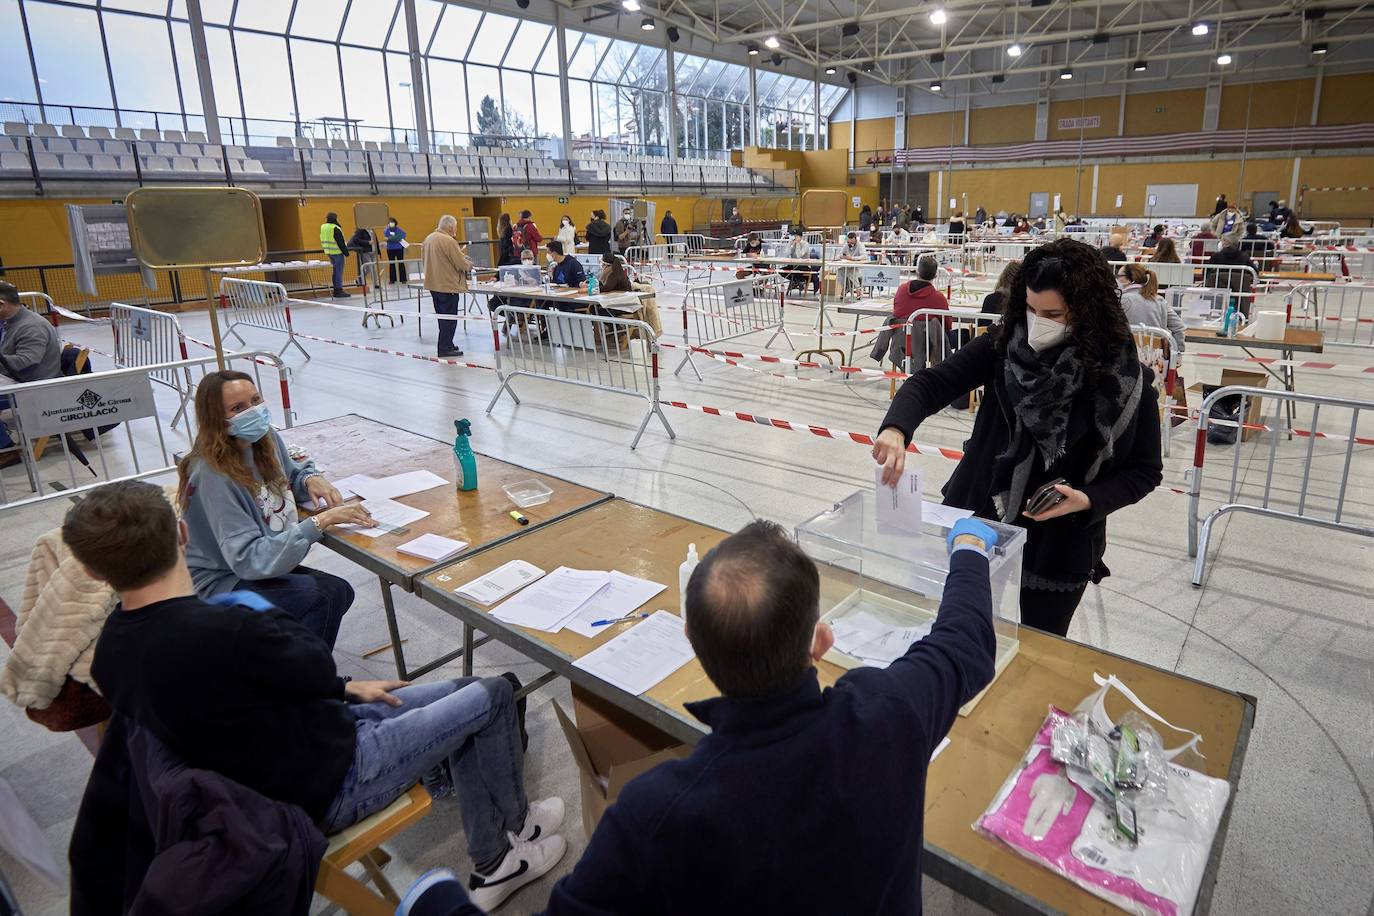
pixel 548 603
pixel 942 515
pixel 899 507
pixel 624 595
pixel 875 642
pixel 389 516
pixel 642 656
pixel 502 581
pixel 433 547
pixel 395 486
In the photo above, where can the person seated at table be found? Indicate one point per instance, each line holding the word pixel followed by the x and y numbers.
pixel 811 799
pixel 612 278
pixel 564 271
pixel 800 276
pixel 1113 251
pixel 853 248
pixel 239 687
pixel 957 228
pixel 238 488
pixel 1022 227
pixel 1166 252
pixel 1230 256
pixel 1256 244
pixel 911 297
pixel 1153 239
pixel 1141 302
pixel 30 351
pixel 753 244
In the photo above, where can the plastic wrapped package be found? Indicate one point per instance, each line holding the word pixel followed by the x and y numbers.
pixel 1131 827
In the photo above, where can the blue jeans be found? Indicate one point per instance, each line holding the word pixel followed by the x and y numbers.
pixel 337 262
pixel 472 723
pixel 446 304
pixel 316 599
pixel 6 441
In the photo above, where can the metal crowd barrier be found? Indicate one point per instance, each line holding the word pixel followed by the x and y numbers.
pixel 1320 499
pixel 694 242
pixel 648 262
pixel 593 351
pixel 1355 264
pixel 147 337
pixel 257 304
pixel 717 312
pixel 1156 349
pixel 957 329
pixel 31 301
pixel 1343 312
pixel 379 288
pixel 73 410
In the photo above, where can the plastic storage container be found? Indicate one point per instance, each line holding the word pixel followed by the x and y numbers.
pixel 526 493
pixel 898 577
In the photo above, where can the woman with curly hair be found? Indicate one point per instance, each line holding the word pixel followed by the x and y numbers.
pixel 1064 396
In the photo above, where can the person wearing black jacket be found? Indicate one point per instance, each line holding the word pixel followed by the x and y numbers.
pixel 505 254
pixel 1064 396
pixel 668 226
pixel 598 233
pixel 243 689
pixel 799 799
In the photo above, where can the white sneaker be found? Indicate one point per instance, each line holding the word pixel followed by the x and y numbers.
pixel 543 818
pixel 525 862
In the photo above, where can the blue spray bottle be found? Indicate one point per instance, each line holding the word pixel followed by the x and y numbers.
pixel 463 459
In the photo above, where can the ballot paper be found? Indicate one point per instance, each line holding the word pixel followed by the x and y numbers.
pixel 899 507
pixel 348 486
pixel 433 547
pixel 942 515
pixel 623 595
pixel 873 641
pixel 389 516
pixel 553 599
pixel 641 656
pixel 504 580
pixel 395 486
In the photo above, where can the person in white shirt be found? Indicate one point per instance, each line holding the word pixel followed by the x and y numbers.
pixel 853 250
pixel 567 234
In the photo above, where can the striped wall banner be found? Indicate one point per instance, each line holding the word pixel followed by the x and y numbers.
pixel 1302 137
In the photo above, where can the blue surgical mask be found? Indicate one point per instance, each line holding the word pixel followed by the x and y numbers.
pixel 252 424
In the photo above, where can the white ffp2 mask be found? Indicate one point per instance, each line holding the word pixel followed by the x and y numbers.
pixel 1042 333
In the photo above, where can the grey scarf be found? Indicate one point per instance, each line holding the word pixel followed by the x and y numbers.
pixel 1041 388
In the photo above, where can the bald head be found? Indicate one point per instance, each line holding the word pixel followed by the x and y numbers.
pixel 1118 239
pixel 752 607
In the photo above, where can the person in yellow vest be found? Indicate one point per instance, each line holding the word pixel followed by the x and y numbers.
pixel 336 248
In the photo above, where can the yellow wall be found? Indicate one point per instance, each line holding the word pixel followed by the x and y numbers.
pixel 825 167
pixel 1346 99
pixel 939 128
pixel 1278 104
pixel 1009 124
pixel 1107 109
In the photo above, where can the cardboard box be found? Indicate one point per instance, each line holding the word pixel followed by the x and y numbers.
pixel 611 747
pixel 1254 411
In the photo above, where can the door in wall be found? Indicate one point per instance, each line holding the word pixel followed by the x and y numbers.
pixel 1260 200
pixel 1170 200
pixel 1039 204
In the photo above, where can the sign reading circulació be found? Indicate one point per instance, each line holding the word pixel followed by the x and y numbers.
pixel 84 402
pixel 1076 123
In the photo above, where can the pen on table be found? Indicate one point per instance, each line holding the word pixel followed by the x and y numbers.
pixel 606 623
pixel 519 518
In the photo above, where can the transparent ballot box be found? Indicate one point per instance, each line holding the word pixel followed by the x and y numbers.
pixel 881 589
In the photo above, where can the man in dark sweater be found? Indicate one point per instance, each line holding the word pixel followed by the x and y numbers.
pixel 809 799
pixel 240 688
pixel 30 351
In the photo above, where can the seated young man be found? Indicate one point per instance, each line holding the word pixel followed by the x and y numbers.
pixel 808 799
pixel 245 690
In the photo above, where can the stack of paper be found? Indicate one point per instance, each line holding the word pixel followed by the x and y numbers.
pixel 873 641
pixel 623 595
pixel 393 487
pixel 553 599
pixel 642 656
pixel 432 547
pixel 502 581
pixel 389 516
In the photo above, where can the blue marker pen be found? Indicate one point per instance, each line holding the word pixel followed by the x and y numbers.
pixel 606 623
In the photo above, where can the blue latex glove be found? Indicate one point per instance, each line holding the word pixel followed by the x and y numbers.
pixel 974 528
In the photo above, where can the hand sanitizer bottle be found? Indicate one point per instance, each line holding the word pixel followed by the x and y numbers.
pixel 684 574
pixel 464 460
pixel 592 284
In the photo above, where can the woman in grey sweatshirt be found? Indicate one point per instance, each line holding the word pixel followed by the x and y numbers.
pixel 238 492
pixel 1141 301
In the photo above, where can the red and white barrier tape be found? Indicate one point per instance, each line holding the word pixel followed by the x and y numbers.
pixel 1193 415
pixel 1276 361
pixel 729 357
pixel 420 356
pixel 428 316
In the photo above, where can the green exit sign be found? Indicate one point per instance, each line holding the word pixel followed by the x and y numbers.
pixel 562 200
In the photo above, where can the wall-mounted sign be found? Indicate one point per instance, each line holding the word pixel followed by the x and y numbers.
pixel 1077 123
pixel 1151 200
pixel 1118 200
pixel 858 202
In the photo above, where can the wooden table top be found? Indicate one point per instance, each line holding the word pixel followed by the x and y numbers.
pixel 352 444
pixel 985 746
pixel 1296 340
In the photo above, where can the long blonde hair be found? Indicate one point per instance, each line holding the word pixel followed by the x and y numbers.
pixel 218 449
pixel 1145 277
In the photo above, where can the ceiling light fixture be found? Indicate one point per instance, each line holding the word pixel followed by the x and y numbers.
pixel 1014 49
pixel 868 67
pixel 1139 66
pixel 849 29
pixel 1200 28
pixel 937 16
pixel 999 78
pixel 1319 48
pixel 631 6
pixel 1066 74
pixel 938 57
pixel 829 71
pixel 1223 59
pixel 753 50
pixel 647 25
pixel 771 42
pixel 935 86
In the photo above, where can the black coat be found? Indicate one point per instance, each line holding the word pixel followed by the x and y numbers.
pixel 156 836
pixel 668 226
pixel 506 255
pixel 1068 548
pixel 598 234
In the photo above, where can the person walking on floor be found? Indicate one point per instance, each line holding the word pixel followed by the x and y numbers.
pixel 446 267
pixel 396 250
pixel 1065 398
pixel 336 249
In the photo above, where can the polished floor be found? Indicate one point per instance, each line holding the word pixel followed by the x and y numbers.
pixel 1284 613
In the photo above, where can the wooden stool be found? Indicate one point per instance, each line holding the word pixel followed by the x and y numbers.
pixel 362 843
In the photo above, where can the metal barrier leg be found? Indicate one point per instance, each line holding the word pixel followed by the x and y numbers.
pixel 654 408
pixel 1200 563
pixel 505 386
pixel 293 342
pixel 688 361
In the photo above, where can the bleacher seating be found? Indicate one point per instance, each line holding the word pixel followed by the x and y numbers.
pixel 72 148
